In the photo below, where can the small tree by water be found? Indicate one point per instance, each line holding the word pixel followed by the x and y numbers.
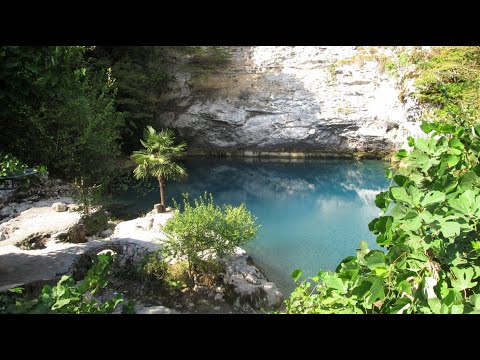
pixel 207 229
pixel 158 159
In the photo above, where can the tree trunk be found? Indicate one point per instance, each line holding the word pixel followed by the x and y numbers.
pixel 161 183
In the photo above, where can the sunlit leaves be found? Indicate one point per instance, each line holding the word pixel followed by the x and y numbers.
pixel 430 236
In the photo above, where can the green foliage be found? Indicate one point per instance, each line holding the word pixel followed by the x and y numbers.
pixel 428 227
pixel 57 111
pixel 10 165
pixel 142 74
pixel 204 61
pixel 206 229
pixel 153 266
pixel 449 79
pixel 66 297
pixel 87 197
pixel 158 158
pixel 95 222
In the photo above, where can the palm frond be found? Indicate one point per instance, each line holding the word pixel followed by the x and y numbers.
pixel 157 159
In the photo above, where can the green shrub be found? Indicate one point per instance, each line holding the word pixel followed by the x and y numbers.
pixel 67 297
pixel 95 222
pixel 430 262
pixel 206 229
pixel 154 266
pixel 449 79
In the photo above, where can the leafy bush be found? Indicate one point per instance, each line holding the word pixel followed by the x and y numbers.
pixel 67 297
pixel 153 266
pixel 207 229
pixel 430 236
pixel 95 223
pixel 10 165
pixel 58 111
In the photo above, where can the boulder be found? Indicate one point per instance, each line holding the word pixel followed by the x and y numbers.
pixel 59 207
pixel 155 310
pixel 247 288
pixel 106 233
pixel 76 234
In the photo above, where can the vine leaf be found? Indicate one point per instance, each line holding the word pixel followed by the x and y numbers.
pixel 433 197
pixel 296 274
pixel 463 279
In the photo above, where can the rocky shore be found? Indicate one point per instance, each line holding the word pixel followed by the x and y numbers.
pixel 36 247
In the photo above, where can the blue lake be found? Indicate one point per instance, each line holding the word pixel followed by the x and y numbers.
pixel 313 212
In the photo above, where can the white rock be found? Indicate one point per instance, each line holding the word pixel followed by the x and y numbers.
pixel 250 287
pixel 106 233
pixel 218 297
pixel 428 290
pixel 155 310
pixel 216 308
pixel 59 207
pixel 316 98
pixel 107 251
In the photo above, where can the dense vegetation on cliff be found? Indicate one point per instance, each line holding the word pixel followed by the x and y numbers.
pixel 81 110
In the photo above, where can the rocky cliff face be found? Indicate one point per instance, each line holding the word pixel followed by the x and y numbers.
pixel 294 101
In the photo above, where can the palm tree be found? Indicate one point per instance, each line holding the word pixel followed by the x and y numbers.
pixel 157 159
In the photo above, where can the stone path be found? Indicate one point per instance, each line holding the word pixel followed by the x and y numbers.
pixel 19 266
pixel 39 218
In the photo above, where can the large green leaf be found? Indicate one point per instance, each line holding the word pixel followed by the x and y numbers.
pixel 427 127
pixel 412 222
pixel 334 282
pixel 398 211
pixel 382 201
pixel 296 274
pixel 401 180
pixel 400 194
pixel 465 203
pixel 401 153
pixel 463 279
pixel 475 300
pixel 477 129
pixel 376 292
pixel 468 181
pixel 432 197
pixel 375 258
pixel 415 194
pixel 450 228
pixel 423 144
pixel 452 160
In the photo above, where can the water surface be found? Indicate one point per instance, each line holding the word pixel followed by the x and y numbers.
pixel 313 212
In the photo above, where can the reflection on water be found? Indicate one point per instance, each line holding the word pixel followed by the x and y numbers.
pixel 313 212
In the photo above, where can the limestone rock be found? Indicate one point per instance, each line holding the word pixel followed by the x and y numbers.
pixel 246 286
pixel 59 207
pixel 155 310
pixel 293 100
pixel 76 234
pixel 107 233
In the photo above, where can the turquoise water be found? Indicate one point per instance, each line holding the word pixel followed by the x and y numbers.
pixel 313 212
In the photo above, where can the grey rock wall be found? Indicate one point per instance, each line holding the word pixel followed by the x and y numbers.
pixel 292 101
